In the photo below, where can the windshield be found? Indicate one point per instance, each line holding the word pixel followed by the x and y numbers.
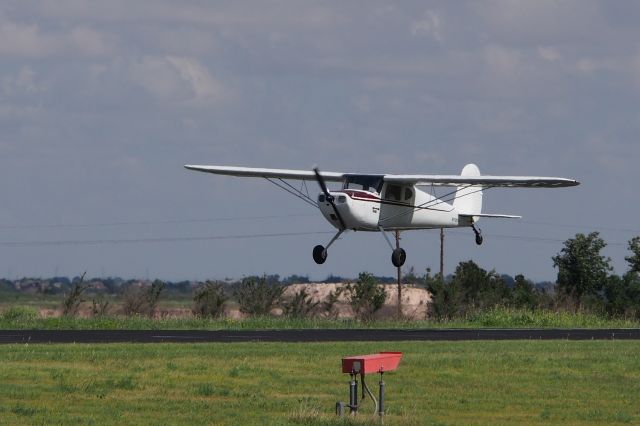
pixel 371 183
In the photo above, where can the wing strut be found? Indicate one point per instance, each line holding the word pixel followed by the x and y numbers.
pixel 286 186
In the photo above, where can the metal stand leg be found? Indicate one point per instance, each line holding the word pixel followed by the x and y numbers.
pixel 381 398
pixel 353 395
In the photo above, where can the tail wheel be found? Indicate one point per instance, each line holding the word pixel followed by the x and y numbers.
pixel 478 233
pixel 398 257
pixel 319 254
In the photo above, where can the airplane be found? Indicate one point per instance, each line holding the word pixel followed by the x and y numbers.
pixel 393 202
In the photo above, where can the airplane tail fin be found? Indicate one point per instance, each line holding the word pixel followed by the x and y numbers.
pixel 468 201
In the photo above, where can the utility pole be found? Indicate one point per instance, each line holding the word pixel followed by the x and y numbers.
pixel 399 279
pixel 442 254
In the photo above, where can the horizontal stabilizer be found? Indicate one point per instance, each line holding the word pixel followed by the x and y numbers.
pixel 495 216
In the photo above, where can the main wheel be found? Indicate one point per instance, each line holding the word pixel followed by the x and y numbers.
pixel 479 239
pixel 398 257
pixel 319 254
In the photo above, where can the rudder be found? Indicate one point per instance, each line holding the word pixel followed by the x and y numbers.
pixel 468 199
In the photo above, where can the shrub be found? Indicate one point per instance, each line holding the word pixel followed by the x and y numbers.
pixel 73 299
pixel 142 300
pixel 208 300
pixel 301 305
pixel 257 296
pixel 99 306
pixel 365 296
pixel 328 306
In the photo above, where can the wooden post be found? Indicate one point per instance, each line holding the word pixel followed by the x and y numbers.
pixel 442 254
pixel 399 279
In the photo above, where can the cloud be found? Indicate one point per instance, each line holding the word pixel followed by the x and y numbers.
pixel 204 86
pixel 549 54
pixel 176 79
pixel 24 82
pixel 540 21
pixel 88 41
pixel 430 25
pixel 502 61
pixel 20 97
pixel 24 40
pixel 28 40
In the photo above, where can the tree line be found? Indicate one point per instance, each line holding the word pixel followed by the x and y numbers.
pixel 585 282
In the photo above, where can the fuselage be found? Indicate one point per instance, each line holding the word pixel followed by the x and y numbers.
pixel 390 206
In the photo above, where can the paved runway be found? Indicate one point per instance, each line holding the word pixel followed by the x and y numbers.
pixel 188 336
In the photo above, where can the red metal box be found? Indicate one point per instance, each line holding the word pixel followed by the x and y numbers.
pixel 374 363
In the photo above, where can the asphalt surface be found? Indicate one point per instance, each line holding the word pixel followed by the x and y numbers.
pixel 191 336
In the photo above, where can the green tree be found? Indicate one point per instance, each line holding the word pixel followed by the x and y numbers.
pixel 481 289
pixel 470 289
pixel 447 299
pixel 623 293
pixel 623 296
pixel 634 259
pixel 365 296
pixel 582 270
pixel 524 294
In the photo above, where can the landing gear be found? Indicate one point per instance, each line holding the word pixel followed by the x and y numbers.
pixel 478 233
pixel 320 252
pixel 398 257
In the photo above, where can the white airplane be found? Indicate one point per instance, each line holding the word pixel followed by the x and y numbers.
pixel 387 202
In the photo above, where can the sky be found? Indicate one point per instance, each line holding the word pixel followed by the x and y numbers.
pixel 102 103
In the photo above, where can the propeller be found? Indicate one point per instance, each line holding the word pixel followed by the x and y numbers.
pixel 327 196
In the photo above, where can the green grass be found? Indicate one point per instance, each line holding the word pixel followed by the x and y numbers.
pixel 21 317
pixel 514 382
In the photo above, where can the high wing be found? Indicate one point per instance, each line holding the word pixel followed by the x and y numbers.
pixel 485 181
pixel 435 180
pixel 267 173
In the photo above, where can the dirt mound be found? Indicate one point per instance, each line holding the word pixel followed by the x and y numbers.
pixel 414 299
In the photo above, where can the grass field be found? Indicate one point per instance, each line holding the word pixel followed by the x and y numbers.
pixel 514 382
pixel 25 317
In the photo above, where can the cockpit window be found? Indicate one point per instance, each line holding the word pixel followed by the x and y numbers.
pixel 408 193
pixel 393 192
pixel 371 183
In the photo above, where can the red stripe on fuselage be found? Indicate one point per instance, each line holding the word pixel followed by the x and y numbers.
pixel 361 195
pixel 367 196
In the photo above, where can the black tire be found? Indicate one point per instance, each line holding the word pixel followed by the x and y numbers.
pixel 319 254
pixel 398 257
pixel 479 239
